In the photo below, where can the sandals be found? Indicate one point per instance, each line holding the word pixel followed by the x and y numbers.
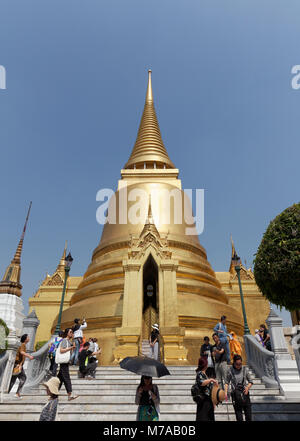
pixel 73 397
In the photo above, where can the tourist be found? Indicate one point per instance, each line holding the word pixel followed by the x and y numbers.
pixel 18 371
pixel 87 362
pixel 205 407
pixel 266 337
pixel 259 337
pixel 91 344
pixel 96 349
pixel 82 343
pixel 64 374
pixel 206 351
pixel 147 398
pixel 154 347
pixel 49 410
pixel 221 330
pixel 53 345
pixel 77 338
pixel 219 353
pixel 237 376
pixel 235 345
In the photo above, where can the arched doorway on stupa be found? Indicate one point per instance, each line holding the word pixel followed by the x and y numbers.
pixel 150 297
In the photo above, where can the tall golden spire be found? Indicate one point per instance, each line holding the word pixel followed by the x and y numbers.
pixel 233 252
pixel 149 148
pixel 10 283
pixel 17 257
pixel 61 265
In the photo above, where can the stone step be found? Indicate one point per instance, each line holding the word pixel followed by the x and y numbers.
pixel 128 398
pixel 77 406
pixel 181 389
pixel 75 415
pixel 136 379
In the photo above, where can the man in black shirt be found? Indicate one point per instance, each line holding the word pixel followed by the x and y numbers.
pixel 87 366
pixel 206 350
pixel 219 352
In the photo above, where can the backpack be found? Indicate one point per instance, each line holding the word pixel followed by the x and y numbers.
pixel 197 394
pixel 53 347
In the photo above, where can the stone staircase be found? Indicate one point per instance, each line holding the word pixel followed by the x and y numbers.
pixel 111 397
pixel 145 348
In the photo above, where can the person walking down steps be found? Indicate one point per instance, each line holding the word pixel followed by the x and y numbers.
pixel 147 399
pixel 62 358
pixel 154 345
pixel 50 409
pixel 18 371
pixel 203 398
pixel 238 376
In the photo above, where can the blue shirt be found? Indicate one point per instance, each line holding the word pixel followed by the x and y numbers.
pixel 222 335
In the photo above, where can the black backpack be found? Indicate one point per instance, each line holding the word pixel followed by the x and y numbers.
pixel 197 394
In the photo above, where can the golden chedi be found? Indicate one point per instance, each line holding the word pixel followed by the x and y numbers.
pixel 151 271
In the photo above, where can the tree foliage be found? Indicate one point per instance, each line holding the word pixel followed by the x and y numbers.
pixel 40 344
pixel 277 261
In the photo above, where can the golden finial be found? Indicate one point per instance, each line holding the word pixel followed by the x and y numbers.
pixel 233 252
pixel 61 265
pixel 232 246
pixel 149 147
pixel 149 94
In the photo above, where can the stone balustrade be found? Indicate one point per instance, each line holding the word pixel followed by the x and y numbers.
pixel 261 361
pixel 36 369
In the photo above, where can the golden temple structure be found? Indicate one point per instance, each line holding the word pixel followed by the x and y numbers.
pixel 149 272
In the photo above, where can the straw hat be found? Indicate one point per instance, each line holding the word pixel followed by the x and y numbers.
pixel 52 385
pixel 155 326
pixel 217 395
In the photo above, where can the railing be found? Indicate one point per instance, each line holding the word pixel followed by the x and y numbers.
pixel 295 342
pixel 36 370
pixel 261 361
pixel 3 361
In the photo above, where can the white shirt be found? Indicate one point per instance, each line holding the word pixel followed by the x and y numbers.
pixel 79 332
pixel 258 338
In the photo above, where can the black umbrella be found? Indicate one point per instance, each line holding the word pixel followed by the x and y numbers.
pixel 144 366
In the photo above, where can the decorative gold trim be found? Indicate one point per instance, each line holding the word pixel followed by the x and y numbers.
pixel 97 292
pixel 202 291
pixel 195 277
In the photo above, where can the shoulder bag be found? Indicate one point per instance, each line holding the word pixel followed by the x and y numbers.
pixel 62 358
pixel 238 396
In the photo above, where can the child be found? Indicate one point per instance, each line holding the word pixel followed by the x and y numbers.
pixel 49 410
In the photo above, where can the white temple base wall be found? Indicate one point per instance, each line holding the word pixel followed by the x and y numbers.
pixel 11 311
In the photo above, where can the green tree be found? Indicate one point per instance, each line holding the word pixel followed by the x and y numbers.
pixel 277 261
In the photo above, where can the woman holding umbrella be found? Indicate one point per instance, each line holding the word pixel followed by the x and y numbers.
pixel 147 394
pixel 147 398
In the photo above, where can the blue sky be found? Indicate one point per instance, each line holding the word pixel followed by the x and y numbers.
pixel 76 82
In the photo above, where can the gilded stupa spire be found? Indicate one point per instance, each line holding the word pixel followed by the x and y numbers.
pixel 10 283
pixel 233 252
pixel 17 257
pixel 149 150
pixel 61 265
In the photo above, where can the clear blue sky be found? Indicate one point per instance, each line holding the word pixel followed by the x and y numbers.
pixel 76 82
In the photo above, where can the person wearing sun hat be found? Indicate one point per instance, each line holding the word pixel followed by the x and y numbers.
pixel 154 350
pixel 50 409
